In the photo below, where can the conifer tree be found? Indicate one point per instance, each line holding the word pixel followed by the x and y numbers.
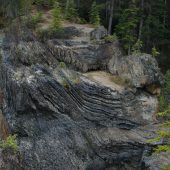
pixel 70 10
pixel 155 31
pixel 165 93
pixel 56 12
pixel 155 53
pixel 163 134
pixel 136 49
pixel 126 28
pixel 94 15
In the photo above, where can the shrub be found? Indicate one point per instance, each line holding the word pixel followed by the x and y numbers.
pixel 166 167
pixel 62 65
pixel 34 20
pixel 111 38
pixel 9 144
pixel 76 81
pixel 82 21
pixel 163 134
pixel 165 93
pixel 42 34
pixel 155 53
pixel 37 18
pixel 65 84
pixel 136 49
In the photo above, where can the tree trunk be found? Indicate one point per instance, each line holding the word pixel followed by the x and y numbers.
pixel 66 8
pixel 111 17
pixel 168 11
pixel 141 20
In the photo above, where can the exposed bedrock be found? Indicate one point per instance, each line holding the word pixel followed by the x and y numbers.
pixel 93 53
pixel 12 161
pixel 67 121
pixel 141 70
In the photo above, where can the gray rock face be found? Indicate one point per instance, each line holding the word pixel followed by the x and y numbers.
pixel 11 161
pixel 81 54
pixel 98 33
pixel 65 120
pixel 142 70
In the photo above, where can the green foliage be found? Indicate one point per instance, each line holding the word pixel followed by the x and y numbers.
pixel 9 144
pixel 34 20
pixel 24 7
pixel 76 81
pixel 165 113
pixel 155 30
pixel 136 49
pixel 155 53
pixel 163 134
pixel 94 14
pixel 71 11
pixel 165 167
pixel 166 124
pixel 126 28
pixel 111 38
pixel 82 21
pixel 162 148
pixel 56 12
pixel 165 93
pixel 62 65
pixel 65 84
pixel 42 3
pixel 42 34
pixel 37 18
pixel 161 101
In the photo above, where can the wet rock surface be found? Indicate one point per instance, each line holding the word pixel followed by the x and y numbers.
pixel 67 121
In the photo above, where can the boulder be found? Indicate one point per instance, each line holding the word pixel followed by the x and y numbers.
pixel 141 70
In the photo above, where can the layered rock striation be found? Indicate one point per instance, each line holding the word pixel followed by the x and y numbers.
pixel 67 120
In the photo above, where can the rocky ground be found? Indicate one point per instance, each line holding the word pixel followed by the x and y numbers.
pixel 95 112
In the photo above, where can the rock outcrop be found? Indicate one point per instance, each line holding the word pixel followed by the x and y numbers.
pixel 140 69
pixel 65 120
pixel 11 161
pixel 85 54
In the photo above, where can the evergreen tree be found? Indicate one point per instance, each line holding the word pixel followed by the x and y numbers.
pixel 163 134
pixel 155 30
pixel 71 11
pixel 136 49
pixel 126 28
pixel 165 93
pixel 94 15
pixel 155 53
pixel 56 12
